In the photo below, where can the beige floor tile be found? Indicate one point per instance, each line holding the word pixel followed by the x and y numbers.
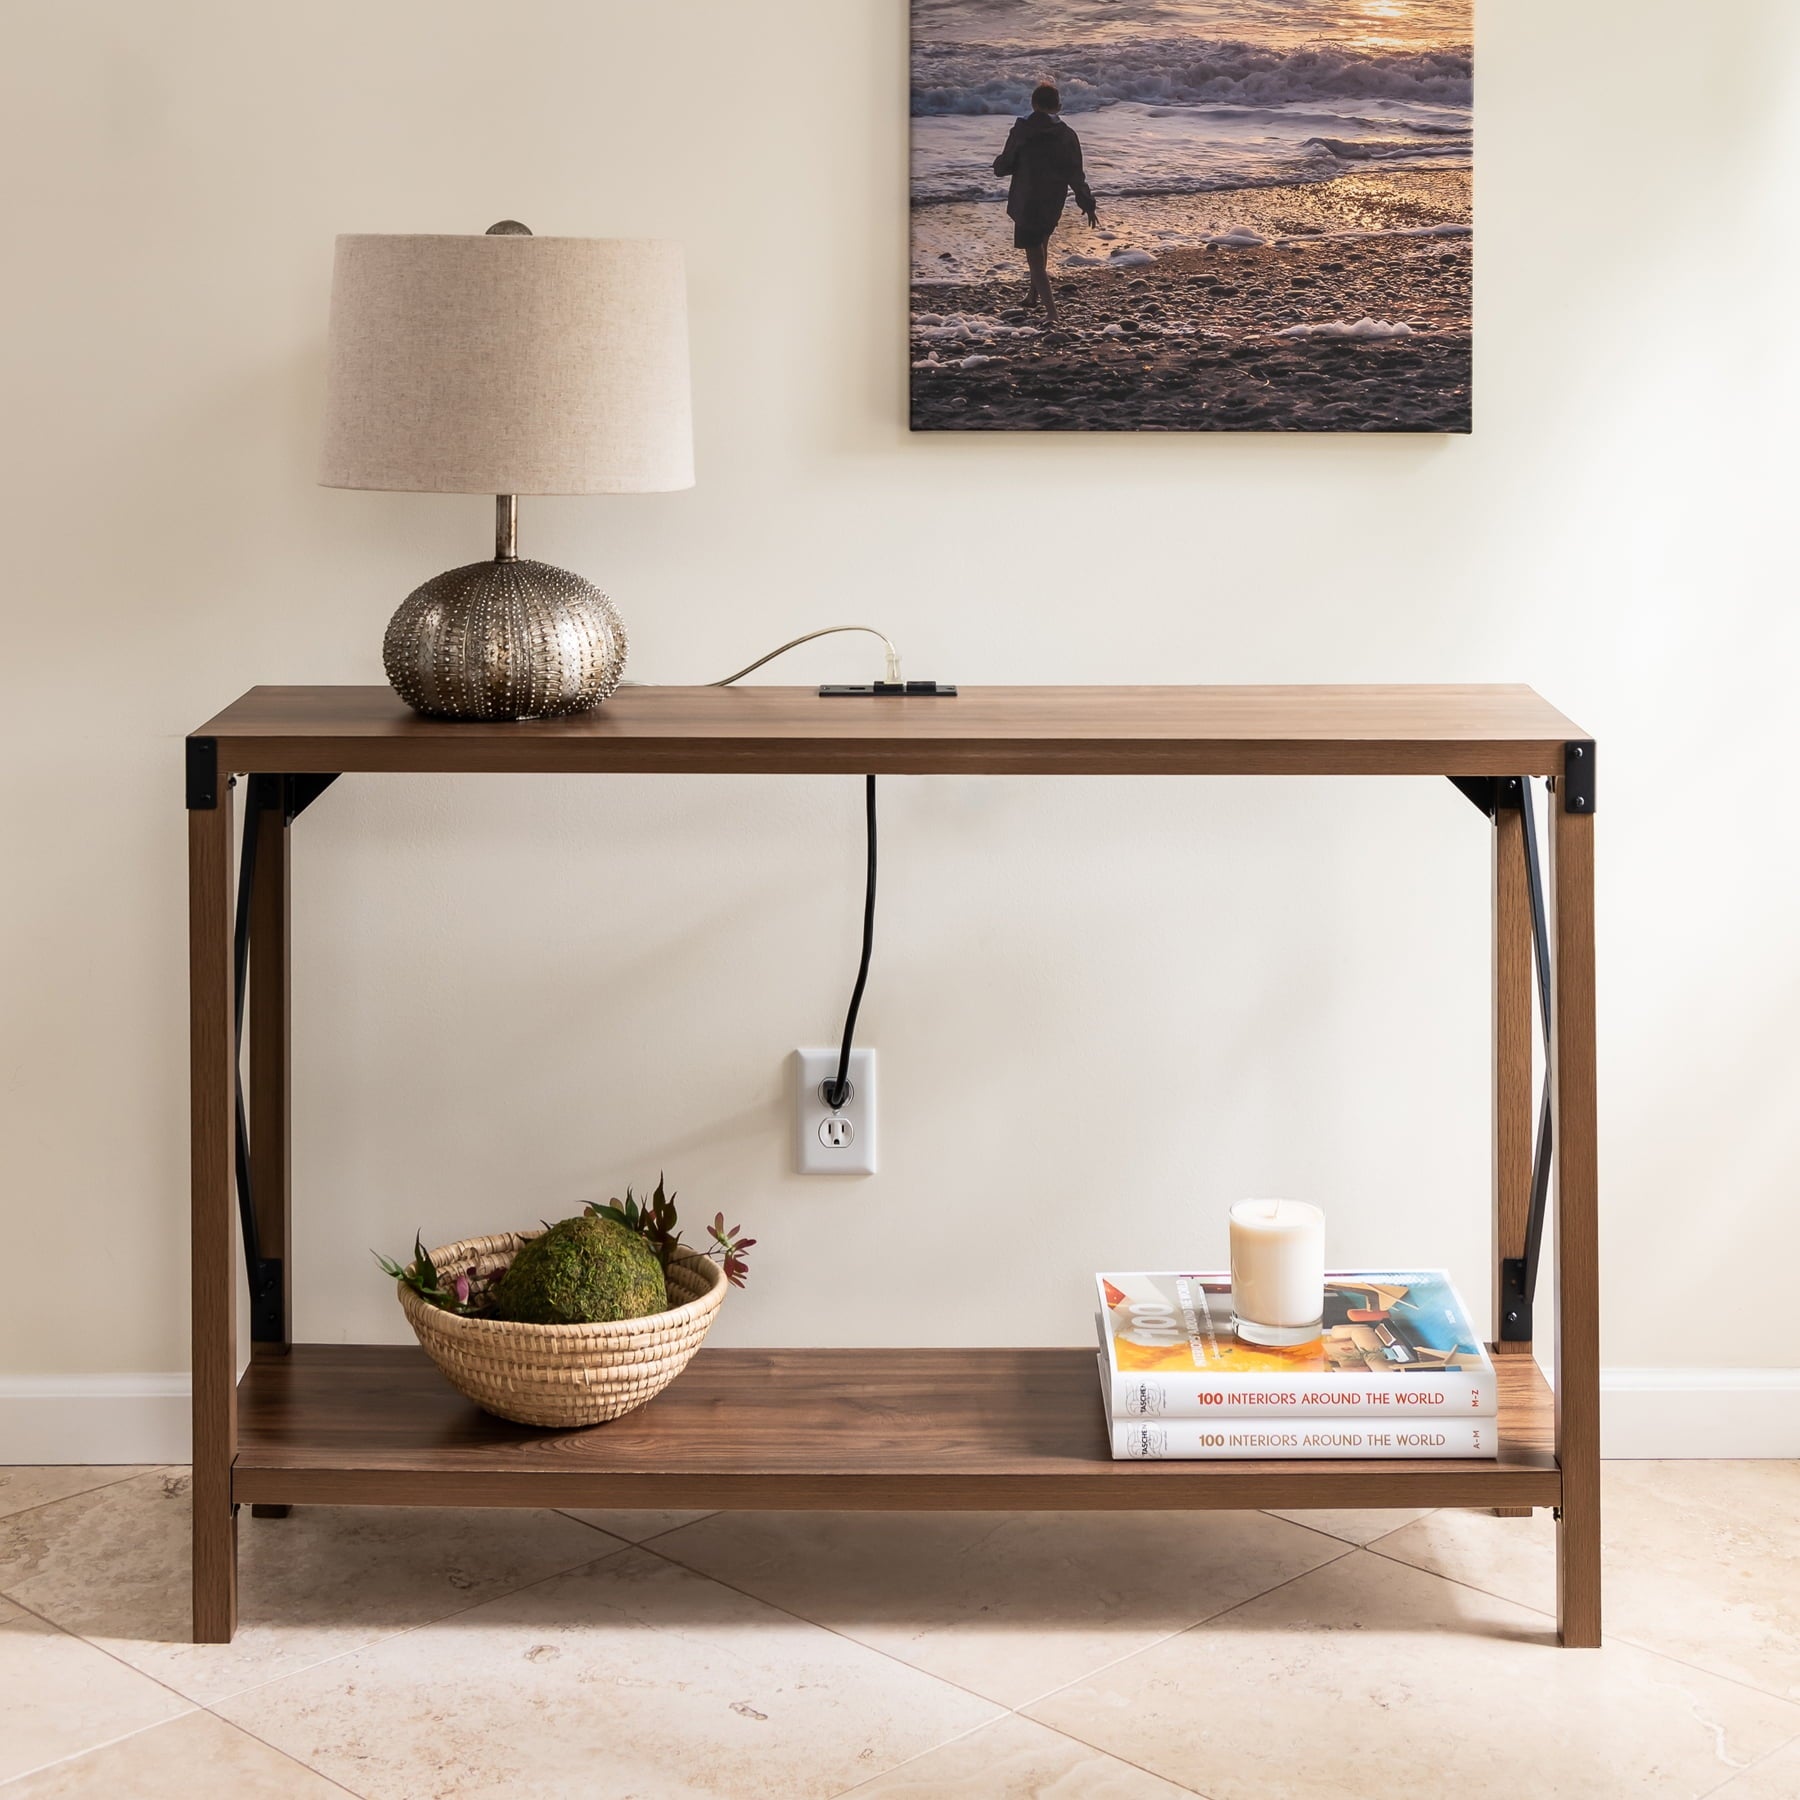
pixel 1514 1558
pixel 1356 1527
pixel 630 1677
pixel 21 1487
pixel 1013 1759
pixel 1327 1687
pixel 634 1526
pixel 194 1758
pixel 112 1566
pixel 1009 1605
pixel 1776 1777
pixel 1702 1561
pixel 59 1696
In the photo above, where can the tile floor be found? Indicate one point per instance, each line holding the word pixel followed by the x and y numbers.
pixel 771 1656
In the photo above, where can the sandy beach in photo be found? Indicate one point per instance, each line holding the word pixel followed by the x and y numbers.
pixel 1284 236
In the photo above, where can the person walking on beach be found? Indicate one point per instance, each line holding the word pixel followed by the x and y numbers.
pixel 1043 157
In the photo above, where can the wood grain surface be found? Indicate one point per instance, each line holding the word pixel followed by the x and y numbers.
pixel 861 1429
pixel 994 730
pixel 211 1095
pixel 1577 1231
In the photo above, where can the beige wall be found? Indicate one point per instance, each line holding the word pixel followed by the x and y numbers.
pixel 1103 1010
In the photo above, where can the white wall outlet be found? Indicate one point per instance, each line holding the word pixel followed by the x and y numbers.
pixel 832 1140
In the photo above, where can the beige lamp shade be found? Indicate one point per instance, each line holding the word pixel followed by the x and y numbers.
pixel 508 365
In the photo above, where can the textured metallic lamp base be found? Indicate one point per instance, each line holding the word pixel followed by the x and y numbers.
pixel 504 640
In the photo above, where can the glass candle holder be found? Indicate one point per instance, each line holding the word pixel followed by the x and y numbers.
pixel 1277 1271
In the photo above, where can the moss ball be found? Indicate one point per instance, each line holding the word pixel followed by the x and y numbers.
pixel 582 1272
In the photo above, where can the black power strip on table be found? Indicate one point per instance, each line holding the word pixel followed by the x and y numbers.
pixel 832 690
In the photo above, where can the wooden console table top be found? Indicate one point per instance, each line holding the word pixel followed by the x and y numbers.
pixel 984 730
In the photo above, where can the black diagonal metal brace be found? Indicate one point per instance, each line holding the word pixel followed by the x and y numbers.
pixel 286 797
pixel 1518 1274
pixel 264 1272
pixel 1495 794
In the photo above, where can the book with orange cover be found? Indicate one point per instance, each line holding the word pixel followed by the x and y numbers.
pixel 1394 1345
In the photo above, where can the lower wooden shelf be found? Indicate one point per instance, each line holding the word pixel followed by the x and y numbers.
pixel 893 1430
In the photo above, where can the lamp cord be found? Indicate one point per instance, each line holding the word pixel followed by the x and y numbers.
pixel 893 655
pixel 838 1091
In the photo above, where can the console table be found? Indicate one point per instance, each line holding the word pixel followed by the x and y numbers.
pixel 889 1429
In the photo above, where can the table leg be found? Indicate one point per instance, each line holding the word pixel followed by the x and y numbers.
pixel 212 1107
pixel 1577 1229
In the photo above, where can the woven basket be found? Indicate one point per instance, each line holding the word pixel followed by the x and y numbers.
pixel 562 1375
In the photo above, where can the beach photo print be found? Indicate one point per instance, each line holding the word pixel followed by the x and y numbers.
pixel 1191 215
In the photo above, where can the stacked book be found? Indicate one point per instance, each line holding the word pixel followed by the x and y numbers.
pixel 1396 1371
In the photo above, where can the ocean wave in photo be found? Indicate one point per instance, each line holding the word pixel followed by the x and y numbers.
pixel 1189 115
pixel 1370 24
pixel 978 79
pixel 1131 148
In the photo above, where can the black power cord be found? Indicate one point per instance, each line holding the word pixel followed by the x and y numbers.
pixel 836 1092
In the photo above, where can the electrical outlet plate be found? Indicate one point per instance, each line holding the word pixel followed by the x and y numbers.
pixel 840 1142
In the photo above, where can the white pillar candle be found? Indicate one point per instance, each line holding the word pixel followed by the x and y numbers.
pixel 1277 1270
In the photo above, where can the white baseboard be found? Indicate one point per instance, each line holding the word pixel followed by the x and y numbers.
pixel 1654 1413
pixel 1644 1414
pixel 94 1419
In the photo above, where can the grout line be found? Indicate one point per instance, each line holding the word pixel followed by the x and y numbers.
pixel 907 1762
pixel 1167 1637
pixel 992 1724
pixel 1681 1662
pixel 819 1625
pixel 187 1700
pixel 99 1487
pixel 124 1737
pixel 1354 1544
pixel 408 1630
pixel 666 1530
pixel 1473 1587
pixel 1130 1762
pixel 405 1631
pixel 298 1761
pixel 1198 1625
pixel 1750 1768
pixel 1611 1637
pixel 590 1525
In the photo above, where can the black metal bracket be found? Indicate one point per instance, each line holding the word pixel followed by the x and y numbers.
pixel 1491 794
pixel 290 795
pixel 1578 776
pixel 1494 794
pixel 286 797
pixel 202 774
pixel 1515 1300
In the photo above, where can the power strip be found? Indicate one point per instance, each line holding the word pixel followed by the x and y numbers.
pixel 832 690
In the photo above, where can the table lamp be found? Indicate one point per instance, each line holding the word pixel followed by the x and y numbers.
pixel 507 364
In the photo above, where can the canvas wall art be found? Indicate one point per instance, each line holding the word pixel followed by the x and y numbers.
pixel 1191 215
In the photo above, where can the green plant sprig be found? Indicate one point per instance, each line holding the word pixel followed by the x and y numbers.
pixel 467 1294
pixel 655 1220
